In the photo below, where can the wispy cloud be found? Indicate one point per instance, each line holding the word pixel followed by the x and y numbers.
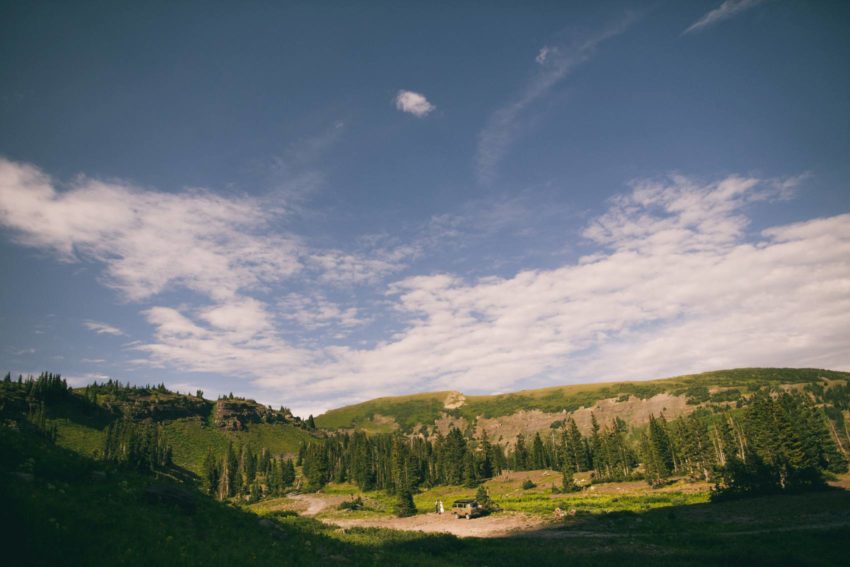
pixel 413 103
pixel 103 328
pixel 555 64
pixel 728 9
pixel 148 240
pixel 699 294
pixel 312 311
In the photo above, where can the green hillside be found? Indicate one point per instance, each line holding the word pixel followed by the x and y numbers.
pixel 61 508
pixel 192 425
pixel 718 387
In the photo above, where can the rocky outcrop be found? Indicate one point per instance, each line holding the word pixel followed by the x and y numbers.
pixel 235 414
pixel 161 407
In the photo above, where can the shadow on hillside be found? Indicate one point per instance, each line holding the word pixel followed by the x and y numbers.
pixel 77 409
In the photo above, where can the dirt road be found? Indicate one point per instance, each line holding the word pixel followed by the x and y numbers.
pixel 498 525
pixel 489 526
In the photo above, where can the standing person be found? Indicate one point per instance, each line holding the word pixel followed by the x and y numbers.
pixel 436 506
pixel 441 507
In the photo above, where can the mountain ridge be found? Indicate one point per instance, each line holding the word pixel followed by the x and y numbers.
pixel 533 410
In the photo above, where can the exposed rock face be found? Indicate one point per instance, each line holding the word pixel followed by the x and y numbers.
pixel 634 411
pixel 235 414
pixel 454 400
pixel 446 422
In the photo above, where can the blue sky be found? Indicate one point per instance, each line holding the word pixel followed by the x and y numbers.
pixel 318 203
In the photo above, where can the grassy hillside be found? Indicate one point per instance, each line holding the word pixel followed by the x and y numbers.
pixel 191 438
pixel 720 386
pixel 188 422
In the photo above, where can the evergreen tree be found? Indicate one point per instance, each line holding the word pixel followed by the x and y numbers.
pixel 568 471
pixel 469 478
pixel 316 466
pixel 288 473
pixel 483 498
pixel 520 454
pixel 404 506
pixel 211 473
pixel 538 458
pixel 657 459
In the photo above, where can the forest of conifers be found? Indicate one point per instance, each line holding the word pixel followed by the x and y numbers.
pixel 775 441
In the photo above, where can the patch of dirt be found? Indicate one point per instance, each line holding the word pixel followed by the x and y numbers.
pixel 495 525
pixel 312 504
pixel 385 420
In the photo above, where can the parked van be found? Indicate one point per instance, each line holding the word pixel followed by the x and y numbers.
pixel 466 509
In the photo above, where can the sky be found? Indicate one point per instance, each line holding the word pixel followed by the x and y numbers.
pixel 317 203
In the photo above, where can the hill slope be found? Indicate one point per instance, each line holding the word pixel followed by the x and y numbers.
pixel 192 425
pixel 528 411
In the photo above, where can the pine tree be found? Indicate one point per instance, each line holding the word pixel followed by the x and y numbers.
pixel 228 482
pixel 211 473
pixel 567 474
pixel 288 473
pixel 520 455
pixel 404 505
pixel 483 498
pixel 488 466
pixel 538 459
pixel 469 478
pixel 655 446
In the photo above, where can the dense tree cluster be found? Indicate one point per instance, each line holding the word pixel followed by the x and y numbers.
pixel 48 387
pixel 784 443
pixel 140 445
pixel 247 474
pixel 605 451
pixel 119 391
pixel 397 463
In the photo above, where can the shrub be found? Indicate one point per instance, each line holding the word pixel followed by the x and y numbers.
pixel 528 484
pixel 353 504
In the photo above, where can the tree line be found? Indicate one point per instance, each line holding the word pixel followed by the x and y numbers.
pixel 775 441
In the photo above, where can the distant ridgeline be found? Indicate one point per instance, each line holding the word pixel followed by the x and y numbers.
pixel 748 431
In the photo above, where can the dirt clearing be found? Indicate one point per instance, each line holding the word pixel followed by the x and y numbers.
pixel 497 525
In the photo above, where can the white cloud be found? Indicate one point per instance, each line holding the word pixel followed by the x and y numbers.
pixel 103 328
pixel 414 103
pixel 148 240
pixel 728 9
pixel 241 347
pixel 504 124
pixel 681 288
